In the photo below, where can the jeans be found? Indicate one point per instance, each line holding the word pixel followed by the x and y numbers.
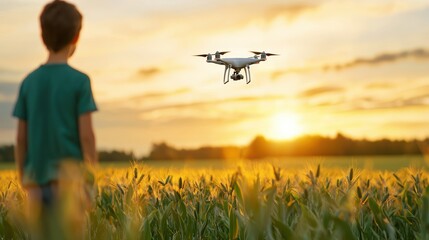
pixel 42 209
pixel 46 195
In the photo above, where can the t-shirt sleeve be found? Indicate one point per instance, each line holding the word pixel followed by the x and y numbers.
pixel 20 109
pixel 86 101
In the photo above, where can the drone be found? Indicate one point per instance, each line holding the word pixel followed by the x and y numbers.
pixel 236 63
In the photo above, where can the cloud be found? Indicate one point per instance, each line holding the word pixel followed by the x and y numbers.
pixel 148 72
pixel 419 54
pixel 264 13
pixel 8 91
pixel 187 121
pixel 369 104
pixel 6 119
pixel 160 94
pixel 214 102
pixel 10 74
pixel 295 70
pixel 396 100
pixel 325 104
pixel 416 96
pixel 290 11
pixel 312 92
pixel 116 117
pixel 213 112
pixel 178 19
pixel 422 99
pixel 379 85
pixel 417 125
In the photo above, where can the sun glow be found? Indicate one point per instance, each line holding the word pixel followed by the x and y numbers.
pixel 284 126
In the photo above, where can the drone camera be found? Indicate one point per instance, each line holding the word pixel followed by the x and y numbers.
pixel 237 77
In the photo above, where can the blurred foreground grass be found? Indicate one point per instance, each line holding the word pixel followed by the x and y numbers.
pixel 260 201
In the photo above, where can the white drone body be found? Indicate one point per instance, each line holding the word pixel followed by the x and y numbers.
pixel 236 63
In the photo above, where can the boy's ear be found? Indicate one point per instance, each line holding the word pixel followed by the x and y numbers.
pixel 74 41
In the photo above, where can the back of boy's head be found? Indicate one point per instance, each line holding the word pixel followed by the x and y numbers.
pixel 61 23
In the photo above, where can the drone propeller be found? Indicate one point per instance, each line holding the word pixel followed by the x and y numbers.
pixel 267 54
pixel 205 55
pixel 222 53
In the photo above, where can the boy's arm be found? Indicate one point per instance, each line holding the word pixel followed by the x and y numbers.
pixel 87 139
pixel 21 147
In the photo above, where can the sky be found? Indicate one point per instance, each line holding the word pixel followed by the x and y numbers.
pixel 356 67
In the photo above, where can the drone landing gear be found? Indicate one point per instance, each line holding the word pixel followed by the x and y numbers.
pixel 236 75
pixel 226 74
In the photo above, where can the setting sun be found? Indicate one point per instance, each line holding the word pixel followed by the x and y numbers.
pixel 284 126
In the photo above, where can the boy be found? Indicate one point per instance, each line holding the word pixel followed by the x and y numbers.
pixel 54 109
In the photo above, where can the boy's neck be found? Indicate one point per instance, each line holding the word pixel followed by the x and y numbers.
pixel 61 56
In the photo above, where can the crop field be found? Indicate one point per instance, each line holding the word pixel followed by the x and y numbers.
pixel 247 201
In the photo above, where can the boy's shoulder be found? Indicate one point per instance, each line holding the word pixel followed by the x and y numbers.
pixel 76 72
pixel 63 70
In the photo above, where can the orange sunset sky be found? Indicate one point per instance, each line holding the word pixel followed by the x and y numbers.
pixel 356 67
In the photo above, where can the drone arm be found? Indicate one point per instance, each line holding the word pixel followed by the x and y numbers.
pixel 215 62
pixel 256 61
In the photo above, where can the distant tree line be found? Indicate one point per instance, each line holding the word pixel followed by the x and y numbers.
pixel 260 147
pixel 115 156
pixel 7 155
pixel 163 151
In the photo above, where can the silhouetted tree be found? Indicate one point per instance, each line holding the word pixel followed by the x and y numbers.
pixel 116 156
pixel 6 153
pixel 258 148
pixel 162 151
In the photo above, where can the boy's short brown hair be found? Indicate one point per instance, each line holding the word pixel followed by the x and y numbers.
pixel 60 22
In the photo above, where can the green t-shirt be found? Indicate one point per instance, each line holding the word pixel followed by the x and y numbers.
pixel 50 100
